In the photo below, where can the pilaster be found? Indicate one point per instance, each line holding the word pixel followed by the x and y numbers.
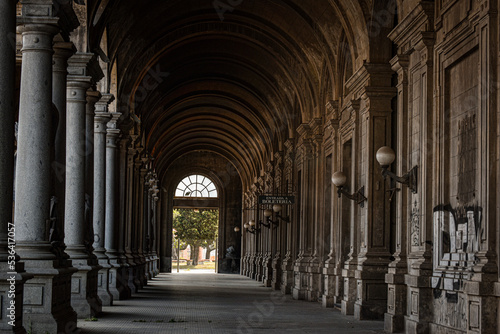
pixel 397 291
pixel 305 166
pixel 348 213
pixel 374 255
pixel 332 278
pixel 287 276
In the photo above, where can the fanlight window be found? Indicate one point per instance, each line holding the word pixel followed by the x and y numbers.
pixel 196 186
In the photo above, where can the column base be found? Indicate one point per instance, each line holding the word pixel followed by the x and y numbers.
pixel 350 290
pixel 156 270
pixel 299 290
pixel 130 281
pixel 313 293
pixel 11 289
pixel 114 282
pixel 103 284
pixel 286 277
pixel 122 281
pixel 415 327
pixel 47 298
pixel 329 283
pixel 151 268
pixel 84 297
pixel 371 303
pixel 394 323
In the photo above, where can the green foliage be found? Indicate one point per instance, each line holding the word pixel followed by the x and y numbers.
pixel 196 227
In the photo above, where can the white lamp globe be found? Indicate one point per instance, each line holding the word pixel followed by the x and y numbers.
pixel 277 207
pixel 268 213
pixel 236 229
pixel 246 225
pixel 339 179
pixel 251 223
pixel 385 156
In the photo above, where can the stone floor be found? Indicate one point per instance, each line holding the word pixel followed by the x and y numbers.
pixel 189 302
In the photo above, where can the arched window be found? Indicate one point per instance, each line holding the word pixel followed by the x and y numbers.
pixel 196 186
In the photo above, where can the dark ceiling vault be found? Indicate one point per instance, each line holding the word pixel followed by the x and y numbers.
pixel 236 81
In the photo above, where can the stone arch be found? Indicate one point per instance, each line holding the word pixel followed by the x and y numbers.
pixel 228 184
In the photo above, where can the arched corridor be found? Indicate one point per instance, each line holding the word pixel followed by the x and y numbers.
pixel 353 144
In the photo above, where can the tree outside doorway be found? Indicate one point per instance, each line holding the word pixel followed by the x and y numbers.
pixel 195 230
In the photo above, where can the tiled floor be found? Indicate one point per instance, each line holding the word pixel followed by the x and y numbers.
pixel 210 303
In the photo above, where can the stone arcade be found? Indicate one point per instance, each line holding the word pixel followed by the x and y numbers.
pixel 107 105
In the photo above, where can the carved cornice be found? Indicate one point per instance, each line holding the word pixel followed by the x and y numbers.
pixel 399 64
pixel 420 19
pixel 333 109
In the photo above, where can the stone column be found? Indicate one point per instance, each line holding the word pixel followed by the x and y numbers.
pixel 110 234
pixel 62 51
pixel 135 226
pixel 129 233
pixel 7 231
pixel 141 233
pixel 47 297
pixel 84 282
pixel 123 274
pixel 92 98
pixel 155 229
pixel 101 118
pixel 147 225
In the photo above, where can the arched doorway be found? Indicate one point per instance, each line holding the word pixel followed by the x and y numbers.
pixel 195 225
pixel 226 181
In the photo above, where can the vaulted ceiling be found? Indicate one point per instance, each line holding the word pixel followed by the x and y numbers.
pixel 234 77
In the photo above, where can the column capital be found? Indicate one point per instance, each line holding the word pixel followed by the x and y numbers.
pixel 36 11
pixel 100 120
pixel 103 104
pixel 77 89
pixel 84 65
pixel 39 37
pixel 93 96
pixel 62 52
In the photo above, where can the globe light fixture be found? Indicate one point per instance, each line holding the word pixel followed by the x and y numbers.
pixel 339 179
pixel 385 157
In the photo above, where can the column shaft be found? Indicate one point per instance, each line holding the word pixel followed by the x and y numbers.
pixel 110 234
pixel 75 167
pixel 101 118
pixel 62 51
pixel 35 143
pixel 7 112
pixel 7 105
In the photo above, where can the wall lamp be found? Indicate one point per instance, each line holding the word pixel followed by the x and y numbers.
pixel 250 226
pixel 385 157
pixel 277 208
pixel 339 179
pixel 236 229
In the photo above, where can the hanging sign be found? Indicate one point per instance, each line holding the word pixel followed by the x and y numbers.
pixel 272 199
